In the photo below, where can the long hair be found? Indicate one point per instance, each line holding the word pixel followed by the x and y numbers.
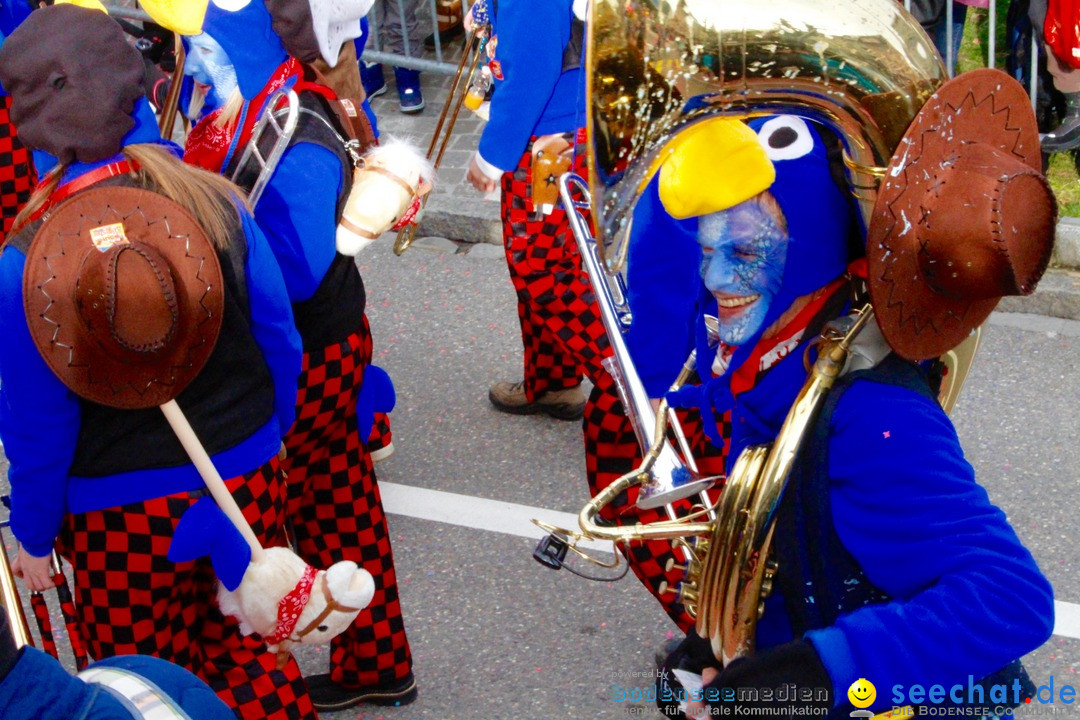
pixel 210 198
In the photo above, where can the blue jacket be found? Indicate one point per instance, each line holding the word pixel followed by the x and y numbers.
pixel 967 597
pixel 40 417
pixel 534 97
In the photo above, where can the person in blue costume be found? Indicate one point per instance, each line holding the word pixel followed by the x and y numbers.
pixel 954 598
pixel 109 484
pixel 34 686
pixel 334 502
pixel 538 105
pixel 661 276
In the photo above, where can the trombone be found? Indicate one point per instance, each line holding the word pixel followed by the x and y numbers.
pixel 20 628
pixel 471 55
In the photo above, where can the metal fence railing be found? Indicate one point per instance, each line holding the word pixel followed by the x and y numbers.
pixel 991 51
pixel 412 57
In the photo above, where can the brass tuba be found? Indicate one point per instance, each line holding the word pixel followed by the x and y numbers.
pixel 655 67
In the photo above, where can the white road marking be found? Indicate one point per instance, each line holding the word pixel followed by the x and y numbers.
pixel 513 519
pixel 1067 619
pixel 478 513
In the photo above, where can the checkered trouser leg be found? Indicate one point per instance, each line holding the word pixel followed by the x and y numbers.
pixel 336 511
pixel 381 435
pixel 612 450
pixel 132 600
pixel 16 176
pixel 561 330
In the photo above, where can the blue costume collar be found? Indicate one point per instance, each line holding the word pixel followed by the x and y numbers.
pixel 248 38
pixel 145 131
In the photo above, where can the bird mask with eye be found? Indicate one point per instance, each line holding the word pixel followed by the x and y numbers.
pixel 719 172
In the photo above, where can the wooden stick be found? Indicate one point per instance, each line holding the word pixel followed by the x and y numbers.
pixel 186 434
pixel 172 98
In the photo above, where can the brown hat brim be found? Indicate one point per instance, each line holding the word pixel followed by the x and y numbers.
pixel 982 106
pixel 85 358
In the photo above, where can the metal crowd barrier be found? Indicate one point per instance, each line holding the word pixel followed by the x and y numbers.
pixel 374 52
pixel 950 61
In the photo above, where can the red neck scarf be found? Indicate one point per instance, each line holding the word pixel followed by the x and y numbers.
pixel 291 606
pixel 208 145
pixel 770 351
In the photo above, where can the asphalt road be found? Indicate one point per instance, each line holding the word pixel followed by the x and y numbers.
pixel 494 634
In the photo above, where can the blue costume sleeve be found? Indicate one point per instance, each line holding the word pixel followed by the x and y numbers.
pixel 39 421
pixel 531 39
pixel 12 13
pixel 968 596
pixel 272 323
pixel 298 213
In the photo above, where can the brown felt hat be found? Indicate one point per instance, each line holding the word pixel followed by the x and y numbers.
pixel 123 295
pixel 964 215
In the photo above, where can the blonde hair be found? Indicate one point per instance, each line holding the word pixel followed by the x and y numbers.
pixel 230 110
pixel 210 198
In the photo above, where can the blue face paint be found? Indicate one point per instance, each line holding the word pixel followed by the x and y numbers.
pixel 208 64
pixel 744 250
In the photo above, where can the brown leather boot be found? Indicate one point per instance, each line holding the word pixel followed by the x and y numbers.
pixel 566 404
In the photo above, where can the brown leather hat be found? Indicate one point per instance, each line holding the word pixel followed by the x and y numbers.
pixel 963 217
pixel 123 295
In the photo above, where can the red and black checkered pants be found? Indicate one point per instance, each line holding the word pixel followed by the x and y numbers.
pixel 561 328
pixel 336 511
pixel 612 450
pixel 16 176
pixel 132 600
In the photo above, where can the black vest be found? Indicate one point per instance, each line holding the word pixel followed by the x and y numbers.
pixel 229 401
pixel 336 309
pixel 818 577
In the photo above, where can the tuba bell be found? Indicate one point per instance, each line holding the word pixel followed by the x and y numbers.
pixel 862 68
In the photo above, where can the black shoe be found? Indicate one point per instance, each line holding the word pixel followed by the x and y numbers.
pixel 328 696
pixel 445 36
pixel 1065 136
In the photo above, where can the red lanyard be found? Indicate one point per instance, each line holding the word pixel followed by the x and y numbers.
pixel 82 182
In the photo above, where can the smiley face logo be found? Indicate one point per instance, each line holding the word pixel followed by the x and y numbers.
pixel 862 693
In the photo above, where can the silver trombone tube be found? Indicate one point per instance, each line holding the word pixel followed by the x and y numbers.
pixel 284 132
pixel 667 478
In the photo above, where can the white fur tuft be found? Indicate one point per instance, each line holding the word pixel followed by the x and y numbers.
pixel 393 152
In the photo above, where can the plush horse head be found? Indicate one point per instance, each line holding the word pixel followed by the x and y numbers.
pixel 388 184
pixel 287 601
